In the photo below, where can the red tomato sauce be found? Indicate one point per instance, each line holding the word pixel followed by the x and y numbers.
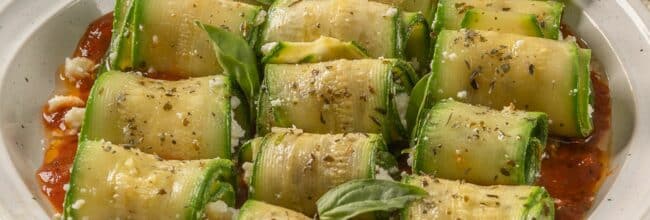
pixel 571 173
pixel 61 147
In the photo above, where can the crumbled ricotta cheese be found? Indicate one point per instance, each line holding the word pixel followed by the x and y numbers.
pixel 236 132
pixel 155 39
pixel 276 102
pixel 216 82
pixel 219 210
pixel 78 68
pixel 391 12
pixel 382 174
pixel 260 17
pixel 66 187
pixel 402 102
pixel 77 204
pixel 58 102
pixel 234 102
pixel 248 172
pixel 462 94
pixel 74 117
pixel 268 47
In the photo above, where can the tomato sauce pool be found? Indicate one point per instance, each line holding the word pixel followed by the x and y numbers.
pixel 571 171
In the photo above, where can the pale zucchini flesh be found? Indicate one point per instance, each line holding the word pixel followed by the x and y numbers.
pixel 161 37
pixel 252 210
pixel 459 200
pixel 450 13
pixel 185 119
pixel 502 21
pixel 294 169
pixel 480 145
pixel 109 182
pixel 305 21
pixel 335 97
pixel 496 69
pixel 320 50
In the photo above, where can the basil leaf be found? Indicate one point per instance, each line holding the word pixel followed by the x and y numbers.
pixel 361 196
pixel 420 102
pixel 236 58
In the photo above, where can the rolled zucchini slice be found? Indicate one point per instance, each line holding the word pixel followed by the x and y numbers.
pixel 535 74
pixel 187 119
pixel 341 96
pixel 502 21
pixel 320 50
pixel 450 13
pixel 480 145
pixel 293 169
pixel 460 200
pixel 252 210
pixel 109 181
pixel 160 35
pixel 375 26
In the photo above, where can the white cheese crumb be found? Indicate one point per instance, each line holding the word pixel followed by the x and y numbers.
pixel 66 187
pixel 260 18
pixel 382 174
pixel 78 68
pixel 402 102
pixel 58 102
pixel 409 161
pixel 276 102
pixel 77 204
pixel 74 117
pixel 236 132
pixel 268 47
pixel 248 172
pixel 391 12
pixel 500 135
pixel 590 110
pixel 215 82
pixel 234 102
pixel 155 39
pixel 219 210
pixel 462 94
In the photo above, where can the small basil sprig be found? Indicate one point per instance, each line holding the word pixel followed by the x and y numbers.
pixel 420 102
pixel 361 196
pixel 237 58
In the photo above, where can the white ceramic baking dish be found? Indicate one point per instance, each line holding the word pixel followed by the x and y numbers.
pixel 36 35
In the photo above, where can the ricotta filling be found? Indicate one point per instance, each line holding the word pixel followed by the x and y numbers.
pixel 219 210
pixel 236 131
pixel 402 102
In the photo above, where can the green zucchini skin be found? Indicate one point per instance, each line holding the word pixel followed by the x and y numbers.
pixel 417 36
pixel 185 119
pixel 305 21
pixel 160 35
pixel 109 181
pixel 480 145
pixel 336 97
pixel 252 210
pixel 502 21
pixel 450 13
pixel 496 69
pixel 320 50
pixel 293 169
pixel 460 200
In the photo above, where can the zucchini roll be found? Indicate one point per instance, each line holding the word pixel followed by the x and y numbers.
pixel 112 182
pixel 459 200
pixel 293 169
pixel 509 16
pixel 480 145
pixel 322 49
pixel 252 210
pixel 368 95
pixel 374 26
pixel 160 35
pixel 496 69
pixel 195 118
